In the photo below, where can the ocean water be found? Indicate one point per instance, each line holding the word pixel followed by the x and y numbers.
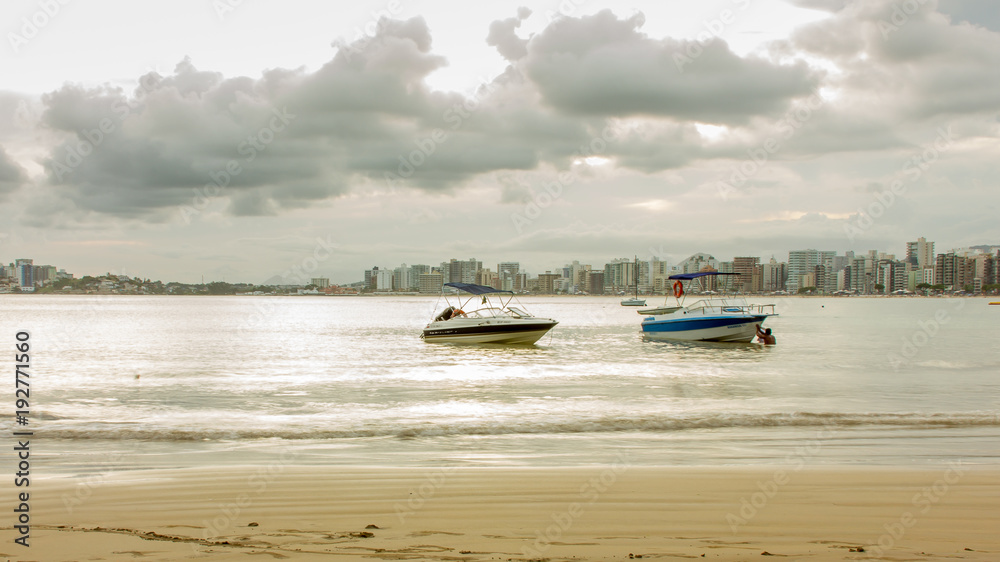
pixel 137 382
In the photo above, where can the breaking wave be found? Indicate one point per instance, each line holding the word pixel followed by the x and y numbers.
pixel 604 424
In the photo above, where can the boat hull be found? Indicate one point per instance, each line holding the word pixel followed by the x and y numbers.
pixel 503 332
pixel 739 329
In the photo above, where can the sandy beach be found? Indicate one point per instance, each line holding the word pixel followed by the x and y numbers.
pixel 613 512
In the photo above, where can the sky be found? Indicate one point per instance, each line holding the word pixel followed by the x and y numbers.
pixel 237 140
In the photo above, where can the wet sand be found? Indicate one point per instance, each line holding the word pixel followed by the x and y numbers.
pixel 613 512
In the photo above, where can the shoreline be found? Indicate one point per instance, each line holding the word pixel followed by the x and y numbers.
pixel 436 295
pixel 609 512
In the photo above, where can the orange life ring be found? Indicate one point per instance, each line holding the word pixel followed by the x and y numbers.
pixel 678 289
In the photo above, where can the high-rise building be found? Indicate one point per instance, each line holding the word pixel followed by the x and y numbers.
pixel 891 275
pixel 383 280
pixel 774 274
pixel 620 274
pixel 488 278
pixel 401 278
pixel 596 283
pixel 749 277
pixel 320 282
pixel 508 271
pixel 985 269
pixel 698 262
pixel 954 271
pixel 802 262
pixel 461 271
pixel 25 273
pixel 430 283
pixel 416 271
pixel 858 277
pixel 43 274
pixel 370 278
pixel 547 282
pixel 920 254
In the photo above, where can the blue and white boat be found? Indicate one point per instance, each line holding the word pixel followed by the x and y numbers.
pixel 714 319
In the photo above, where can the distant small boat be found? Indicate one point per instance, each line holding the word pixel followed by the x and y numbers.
pixel 635 301
pixel 995 303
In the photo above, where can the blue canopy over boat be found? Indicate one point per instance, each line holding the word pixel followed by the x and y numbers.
pixel 476 289
pixel 689 276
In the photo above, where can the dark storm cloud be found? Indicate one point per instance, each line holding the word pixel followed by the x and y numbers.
pixel 600 65
pixel 12 176
pixel 291 137
pixel 907 60
pixel 588 86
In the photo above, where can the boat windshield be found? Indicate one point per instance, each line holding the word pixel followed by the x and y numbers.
pixel 486 304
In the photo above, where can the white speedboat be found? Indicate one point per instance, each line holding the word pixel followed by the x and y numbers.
pixel 491 320
pixel 714 319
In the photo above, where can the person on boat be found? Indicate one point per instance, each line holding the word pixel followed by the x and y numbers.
pixel 458 312
pixel 765 336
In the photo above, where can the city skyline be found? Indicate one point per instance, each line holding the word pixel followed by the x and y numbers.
pixel 919 256
pixel 408 130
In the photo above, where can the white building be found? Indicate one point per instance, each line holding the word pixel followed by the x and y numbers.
pixel 383 280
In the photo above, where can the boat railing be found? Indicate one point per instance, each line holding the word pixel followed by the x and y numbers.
pixel 731 307
pixel 493 312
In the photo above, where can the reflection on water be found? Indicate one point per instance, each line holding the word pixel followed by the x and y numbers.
pixel 334 374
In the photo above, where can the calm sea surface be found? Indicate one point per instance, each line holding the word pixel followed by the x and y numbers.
pixel 139 382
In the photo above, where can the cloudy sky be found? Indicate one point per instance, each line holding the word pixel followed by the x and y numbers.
pixel 238 139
